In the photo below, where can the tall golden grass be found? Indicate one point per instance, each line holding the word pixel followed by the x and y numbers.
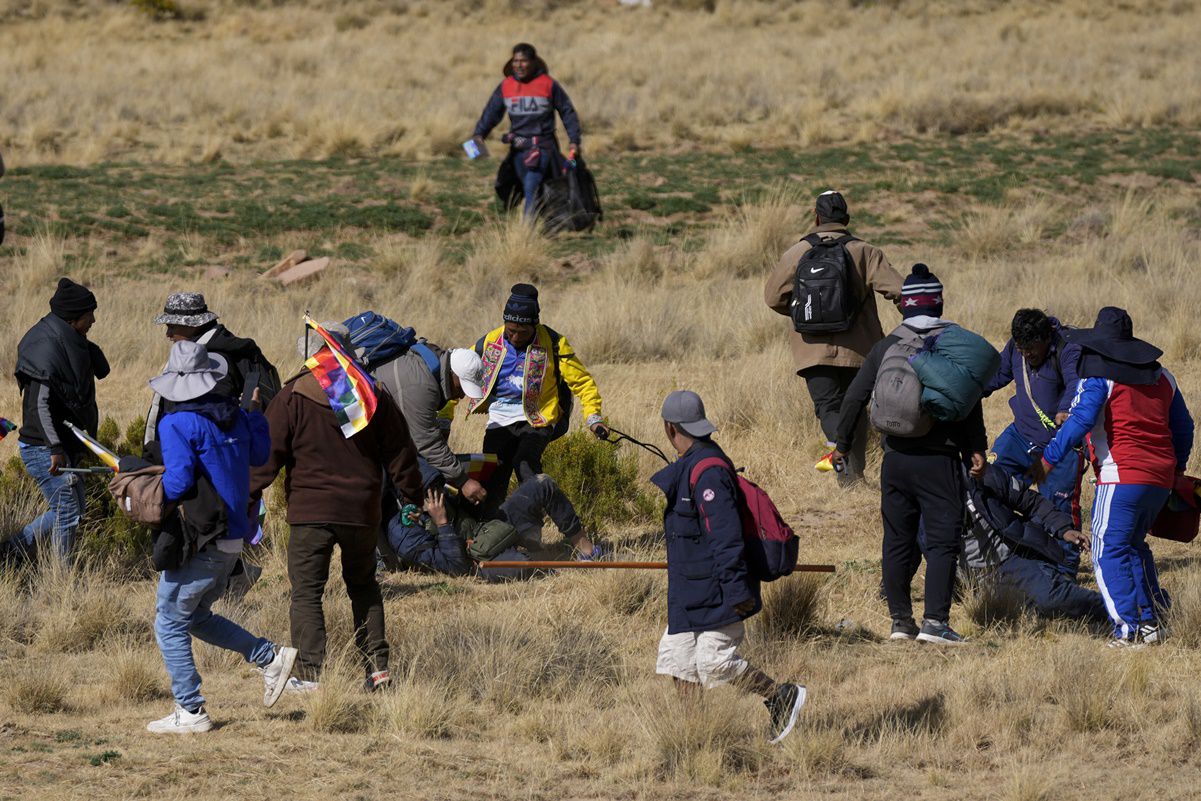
pixel 85 82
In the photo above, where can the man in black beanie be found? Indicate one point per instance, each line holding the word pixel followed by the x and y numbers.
pixel 57 368
pixel 530 375
pixel 920 477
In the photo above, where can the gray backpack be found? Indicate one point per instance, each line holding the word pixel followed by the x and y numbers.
pixel 897 395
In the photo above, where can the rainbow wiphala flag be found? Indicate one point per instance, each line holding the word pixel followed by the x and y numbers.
pixel 479 466
pixel 350 390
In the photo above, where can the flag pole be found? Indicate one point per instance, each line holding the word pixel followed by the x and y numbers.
pixel 569 565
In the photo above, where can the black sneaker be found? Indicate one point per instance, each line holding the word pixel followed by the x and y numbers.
pixel 784 705
pixel 938 632
pixel 904 630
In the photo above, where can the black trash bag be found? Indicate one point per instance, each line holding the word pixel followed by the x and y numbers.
pixel 508 188
pixel 570 201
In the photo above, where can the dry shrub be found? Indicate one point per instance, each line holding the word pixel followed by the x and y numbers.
pixel 506 250
pixel 627 592
pixel 749 243
pixel 340 705
pixel 792 608
pixel 1184 617
pixel 133 673
pixel 508 659
pixel 415 707
pixel 33 687
pixel 991 603
pixel 79 607
pixel 708 738
pixel 997 230
pixel 41 264
pixel 819 752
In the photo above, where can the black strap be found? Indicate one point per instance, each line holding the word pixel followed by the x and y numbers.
pixel 647 446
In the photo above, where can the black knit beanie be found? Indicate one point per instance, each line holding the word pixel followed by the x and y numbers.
pixel 921 293
pixel 71 300
pixel 522 306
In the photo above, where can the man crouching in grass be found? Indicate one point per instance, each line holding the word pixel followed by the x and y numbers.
pixel 710 590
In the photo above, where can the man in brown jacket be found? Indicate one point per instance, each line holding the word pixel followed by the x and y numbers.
pixel 828 362
pixel 333 489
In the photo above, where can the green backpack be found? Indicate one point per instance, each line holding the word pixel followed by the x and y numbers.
pixel 491 538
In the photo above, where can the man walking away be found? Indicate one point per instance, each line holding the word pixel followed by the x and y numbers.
pixel 187 317
pixel 1041 363
pixel 333 488
pixel 710 589
pixel 1141 437
pixel 824 283
pixel 920 475
pixel 206 439
pixel 57 368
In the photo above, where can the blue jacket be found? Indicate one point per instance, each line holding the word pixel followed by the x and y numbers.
pixel 215 438
pixel 1053 386
pixel 531 105
pixel 707 574
pixel 440 549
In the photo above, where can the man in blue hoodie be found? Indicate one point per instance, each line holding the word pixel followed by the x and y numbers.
pixel 1041 364
pixel 208 446
pixel 710 588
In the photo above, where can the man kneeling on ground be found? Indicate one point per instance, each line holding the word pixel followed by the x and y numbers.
pixel 1013 537
pixel 450 533
pixel 710 590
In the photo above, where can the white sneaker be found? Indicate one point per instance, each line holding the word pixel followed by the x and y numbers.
pixel 275 675
pixel 296 685
pixel 181 721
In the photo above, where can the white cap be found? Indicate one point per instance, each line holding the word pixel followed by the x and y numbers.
pixel 466 364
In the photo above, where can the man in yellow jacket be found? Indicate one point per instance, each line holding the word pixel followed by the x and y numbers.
pixel 530 375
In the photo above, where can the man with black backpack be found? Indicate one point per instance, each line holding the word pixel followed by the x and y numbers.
pixel 824 284
pixel 711 586
pixel 923 457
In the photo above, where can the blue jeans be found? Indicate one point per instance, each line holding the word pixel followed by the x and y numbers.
pixel 531 177
pixel 184 600
pixel 1015 456
pixel 1048 591
pixel 1122 560
pixel 64 493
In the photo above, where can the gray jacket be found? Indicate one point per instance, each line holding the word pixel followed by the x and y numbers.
pixel 421 396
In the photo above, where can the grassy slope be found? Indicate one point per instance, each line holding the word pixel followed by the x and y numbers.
pixel 543 690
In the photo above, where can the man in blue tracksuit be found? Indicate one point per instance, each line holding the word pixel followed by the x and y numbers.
pixel 710 590
pixel 1012 537
pixel 208 445
pixel 1140 435
pixel 1041 363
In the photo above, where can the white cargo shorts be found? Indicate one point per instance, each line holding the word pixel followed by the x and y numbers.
pixel 708 658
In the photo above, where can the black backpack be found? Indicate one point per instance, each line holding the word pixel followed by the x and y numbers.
pixel 823 290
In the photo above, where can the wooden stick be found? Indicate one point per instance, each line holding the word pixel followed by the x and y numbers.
pixel 552 565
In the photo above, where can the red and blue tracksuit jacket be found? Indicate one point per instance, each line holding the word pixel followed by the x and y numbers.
pixel 1138 434
pixel 531 105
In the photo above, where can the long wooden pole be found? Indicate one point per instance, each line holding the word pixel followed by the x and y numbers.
pixel 552 565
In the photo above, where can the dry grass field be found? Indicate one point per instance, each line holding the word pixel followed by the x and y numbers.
pixel 1032 154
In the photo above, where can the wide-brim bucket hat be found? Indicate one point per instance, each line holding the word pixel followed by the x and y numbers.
pixel 190 373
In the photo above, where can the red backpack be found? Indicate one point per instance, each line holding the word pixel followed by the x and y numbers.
pixel 770 544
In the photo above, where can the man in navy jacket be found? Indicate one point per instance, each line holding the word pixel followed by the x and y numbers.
pixel 1041 364
pixel 710 589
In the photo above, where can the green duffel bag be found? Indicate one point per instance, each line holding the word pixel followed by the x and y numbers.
pixel 491 538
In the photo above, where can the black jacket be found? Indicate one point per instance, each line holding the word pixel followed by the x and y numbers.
pixel 945 439
pixel 57 368
pixel 1003 517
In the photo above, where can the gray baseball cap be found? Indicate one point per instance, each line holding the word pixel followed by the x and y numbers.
pixel 686 410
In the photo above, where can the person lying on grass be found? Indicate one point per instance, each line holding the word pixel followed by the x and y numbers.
pixel 1013 537
pixel 450 534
